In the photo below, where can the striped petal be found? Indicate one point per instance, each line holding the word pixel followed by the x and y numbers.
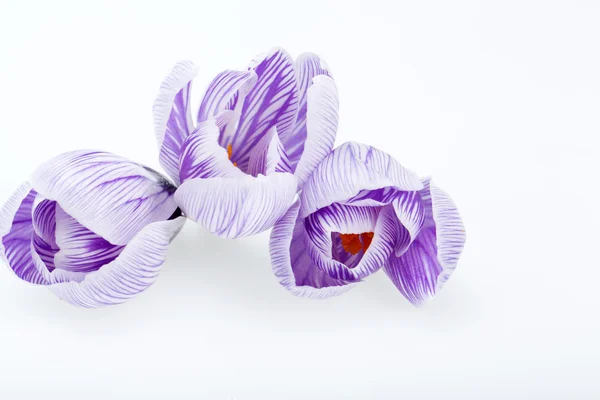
pixel 349 169
pixel 268 156
pixel 203 157
pixel 81 250
pixel 293 267
pixel 223 93
pixel 321 125
pixel 430 260
pixel 307 66
pixel 409 208
pixel 322 225
pixel 44 227
pixel 237 207
pixel 109 195
pixel 133 271
pixel 172 117
pixel 272 102
pixel 16 232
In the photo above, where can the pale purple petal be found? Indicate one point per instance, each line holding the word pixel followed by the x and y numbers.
pixel 44 226
pixel 202 157
pixel 321 125
pixel 136 269
pixel 271 102
pixel 172 117
pixel 408 206
pixel 321 225
pixel 350 168
pixel 268 156
pixel 16 233
pixel 222 91
pixel 450 232
pixel 109 195
pixel 237 207
pixel 307 66
pixel 293 267
pixel 81 250
pixel 430 260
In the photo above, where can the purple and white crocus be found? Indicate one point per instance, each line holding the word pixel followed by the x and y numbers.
pixel 257 135
pixel 360 211
pixel 91 226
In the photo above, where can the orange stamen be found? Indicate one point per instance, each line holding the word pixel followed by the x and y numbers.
pixel 351 243
pixel 366 239
pixel 229 152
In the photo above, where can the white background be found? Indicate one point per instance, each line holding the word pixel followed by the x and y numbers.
pixel 498 100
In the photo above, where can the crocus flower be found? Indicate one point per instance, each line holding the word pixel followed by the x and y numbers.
pixel 257 135
pixel 92 226
pixel 358 212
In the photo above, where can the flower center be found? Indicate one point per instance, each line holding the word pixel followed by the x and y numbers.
pixel 353 243
pixel 229 151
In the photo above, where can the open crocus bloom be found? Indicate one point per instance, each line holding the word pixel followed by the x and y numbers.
pixel 92 226
pixel 258 134
pixel 358 212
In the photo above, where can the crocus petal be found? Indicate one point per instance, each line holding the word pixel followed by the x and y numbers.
pixel 16 232
pixel 349 219
pixel 220 93
pixel 44 219
pixel 237 207
pixel 293 267
pixel 268 156
pixel 44 226
pixel 172 117
pixel 202 157
pixel 136 269
pixel 430 260
pixel 347 170
pixel 272 102
pixel 409 208
pixel 307 66
pixel 81 250
pixel 321 125
pixel 109 195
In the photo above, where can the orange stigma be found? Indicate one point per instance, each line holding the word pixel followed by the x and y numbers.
pixel 229 151
pixel 353 243
pixel 366 238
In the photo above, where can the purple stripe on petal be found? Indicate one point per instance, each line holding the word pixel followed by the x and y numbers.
pixel 272 102
pixel 307 66
pixel 293 268
pixel 44 220
pixel 415 273
pixel 409 208
pixel 430 260
pixel 268 156
pixel 172 118
pixel 45 251
pixel 202 157
pixel 221 91
pixel 237 207
pixel 16 232
pixel 450 232
pixel 108 194
pixel 321 125
pixel 135 270
pixel 347 170
pixel 322 226
pixel 81 250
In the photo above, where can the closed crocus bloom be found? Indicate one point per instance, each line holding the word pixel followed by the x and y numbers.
pixel 358 212
pixel 92 226
pixel 256 136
